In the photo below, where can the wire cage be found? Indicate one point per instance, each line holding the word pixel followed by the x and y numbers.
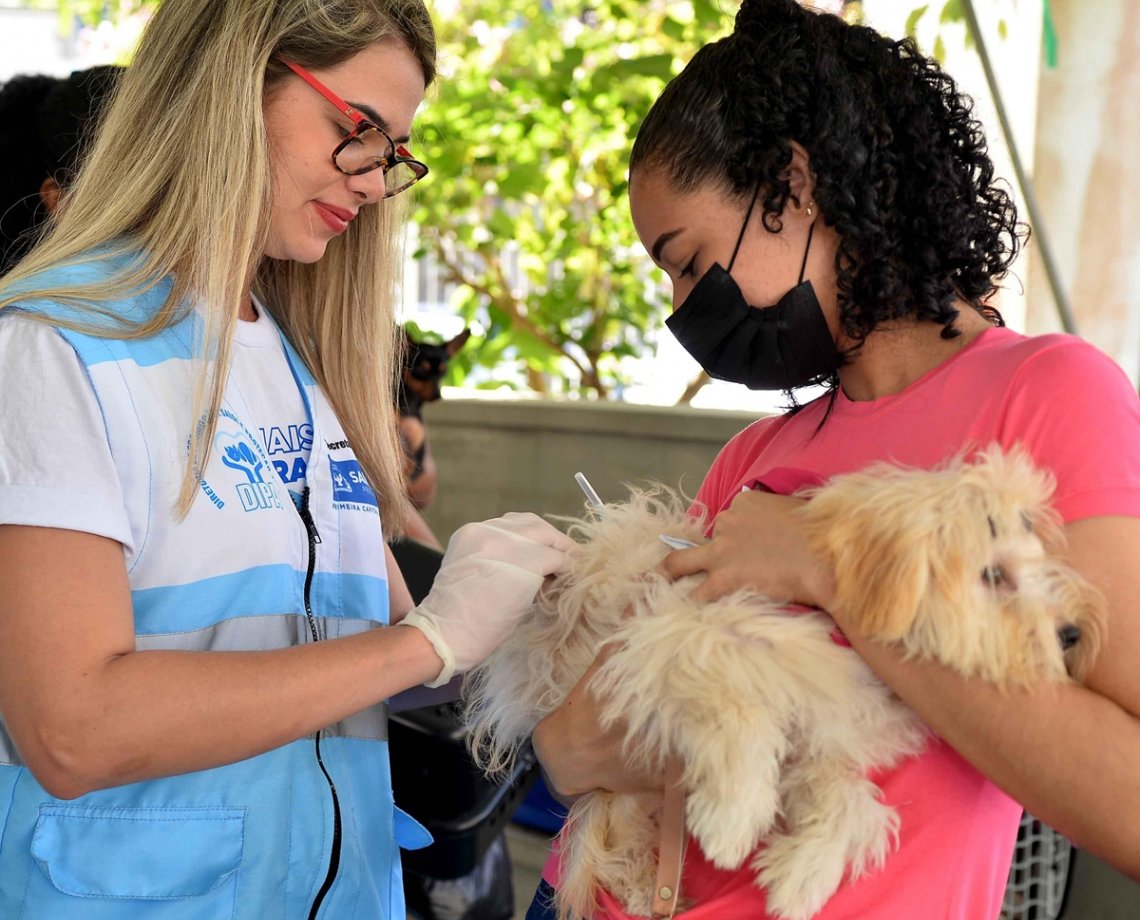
pixel 1039 875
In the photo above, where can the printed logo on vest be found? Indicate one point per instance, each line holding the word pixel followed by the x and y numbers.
pixel 351 490
pixel 288 447
pixel 240 451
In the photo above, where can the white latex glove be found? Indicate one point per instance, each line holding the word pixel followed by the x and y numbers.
pixel 488 579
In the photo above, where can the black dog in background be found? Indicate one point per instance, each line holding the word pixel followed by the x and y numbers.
pixel 425 364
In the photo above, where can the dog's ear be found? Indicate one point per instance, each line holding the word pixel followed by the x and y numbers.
pixel 878 533
pixel 452 346
pixel 407 348
pixel 881 578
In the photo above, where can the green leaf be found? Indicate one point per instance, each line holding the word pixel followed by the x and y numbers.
pixel 572 58
pixel 654 65
pixel 708 14
pixel 673 29
pixel 914 17
pixel 952 12
pixel 520 179
pixel 1049 35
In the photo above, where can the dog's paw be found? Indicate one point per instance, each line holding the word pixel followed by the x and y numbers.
pixel 873 840
pixel 797 881
pixel 728 820
pixel 726 836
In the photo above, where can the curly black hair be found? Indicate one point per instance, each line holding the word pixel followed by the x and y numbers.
pixel 45 123
pixel 22 163
pixel 900 164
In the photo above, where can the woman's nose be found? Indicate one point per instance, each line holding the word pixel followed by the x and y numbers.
pixel 370 186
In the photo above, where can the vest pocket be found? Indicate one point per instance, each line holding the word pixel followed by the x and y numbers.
pixel 152 854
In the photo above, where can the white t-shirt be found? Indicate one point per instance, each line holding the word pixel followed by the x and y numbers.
pixel 259 365
pixel 56 468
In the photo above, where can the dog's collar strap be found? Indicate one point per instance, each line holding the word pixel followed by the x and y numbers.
pixel 671 850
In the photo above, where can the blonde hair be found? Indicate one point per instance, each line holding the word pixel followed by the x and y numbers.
pixel 179 178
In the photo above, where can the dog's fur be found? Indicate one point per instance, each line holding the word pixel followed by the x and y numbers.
pixel 777 725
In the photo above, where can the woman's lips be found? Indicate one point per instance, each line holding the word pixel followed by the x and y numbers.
pixel 337 219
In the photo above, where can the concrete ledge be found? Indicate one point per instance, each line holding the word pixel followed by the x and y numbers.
pixel 521 455
pixel 666 423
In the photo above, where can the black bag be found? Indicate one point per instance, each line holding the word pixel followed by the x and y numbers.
pixel 466 873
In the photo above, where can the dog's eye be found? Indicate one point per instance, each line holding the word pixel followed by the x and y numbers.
pixel 994 575
pixel 1026 522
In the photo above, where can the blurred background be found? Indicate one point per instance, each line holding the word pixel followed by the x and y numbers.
pixel 522 232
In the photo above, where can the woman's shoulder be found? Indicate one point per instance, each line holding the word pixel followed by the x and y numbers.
pixel 1064 376
pixel 97 289
pixel 1041 357
pixel 736 456
pixel 752 439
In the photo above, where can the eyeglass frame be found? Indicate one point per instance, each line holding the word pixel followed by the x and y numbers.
pixel 400 153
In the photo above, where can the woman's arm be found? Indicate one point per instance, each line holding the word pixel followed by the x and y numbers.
pixel 1068 753
pixel 87 711
pixel 399 597
pixel 417 528
pixel 577 756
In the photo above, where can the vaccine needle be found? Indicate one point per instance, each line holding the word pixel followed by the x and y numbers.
pixel 595 502
pixel 591 496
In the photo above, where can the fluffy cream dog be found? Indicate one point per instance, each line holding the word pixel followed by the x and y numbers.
pixel 776 724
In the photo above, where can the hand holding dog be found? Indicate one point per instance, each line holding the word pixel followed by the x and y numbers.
pixel 578 756
pixel 488 578
pixel 759 542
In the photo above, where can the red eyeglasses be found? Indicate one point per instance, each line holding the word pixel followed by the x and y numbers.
pixel 367 146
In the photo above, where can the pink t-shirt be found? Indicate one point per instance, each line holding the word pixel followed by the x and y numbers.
pixel 1076 413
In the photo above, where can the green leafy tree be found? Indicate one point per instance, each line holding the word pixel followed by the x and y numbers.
pixel 528 134
pixel 527 208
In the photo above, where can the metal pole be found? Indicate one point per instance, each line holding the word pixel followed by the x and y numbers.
pixel 1035 219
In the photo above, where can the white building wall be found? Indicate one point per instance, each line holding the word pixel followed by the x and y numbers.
pixel 1088 173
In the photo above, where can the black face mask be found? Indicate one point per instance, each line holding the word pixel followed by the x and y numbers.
pixel 769 348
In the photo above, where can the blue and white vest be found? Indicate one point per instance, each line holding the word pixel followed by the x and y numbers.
pixel 304 831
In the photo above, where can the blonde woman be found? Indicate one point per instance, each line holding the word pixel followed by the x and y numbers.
pixel 197 467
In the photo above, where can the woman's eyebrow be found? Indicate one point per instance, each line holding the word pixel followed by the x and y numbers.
pixel 377 119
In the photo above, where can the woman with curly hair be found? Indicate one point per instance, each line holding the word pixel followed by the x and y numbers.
pixel 200 623
pixel 823 203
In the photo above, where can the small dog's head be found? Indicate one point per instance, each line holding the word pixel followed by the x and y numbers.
pixel 960 564
pixel 425 364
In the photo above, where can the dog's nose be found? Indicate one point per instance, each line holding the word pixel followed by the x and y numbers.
pixel 1068 636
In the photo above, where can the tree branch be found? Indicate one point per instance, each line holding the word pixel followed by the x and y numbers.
pixel 692 389
pixel 508 304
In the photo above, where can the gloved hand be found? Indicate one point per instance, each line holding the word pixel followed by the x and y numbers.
pixel 488 578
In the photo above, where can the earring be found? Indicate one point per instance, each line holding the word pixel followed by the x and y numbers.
pixel 809 210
